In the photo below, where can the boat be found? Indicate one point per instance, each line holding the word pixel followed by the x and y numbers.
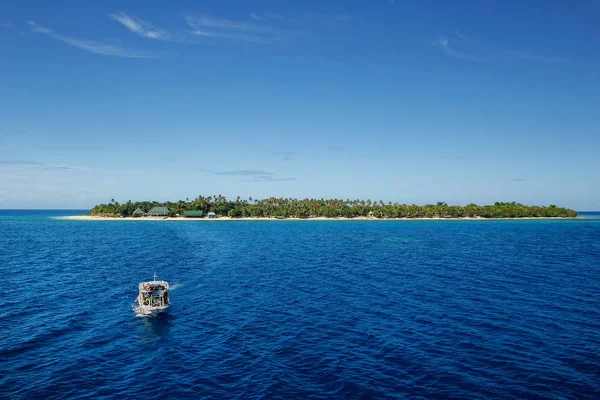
pixel 153 298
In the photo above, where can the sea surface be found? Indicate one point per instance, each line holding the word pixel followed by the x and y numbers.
pixel 301 309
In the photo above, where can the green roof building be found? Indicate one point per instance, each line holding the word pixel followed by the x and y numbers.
pixel 193 214
pixel 138 213
pixel 158 212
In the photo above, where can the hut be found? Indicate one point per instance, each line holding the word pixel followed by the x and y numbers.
pixel 193 214
pixel 158 212
pixel 211 215
pixel 137 213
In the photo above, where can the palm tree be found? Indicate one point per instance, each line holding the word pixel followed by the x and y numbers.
pixel 334 207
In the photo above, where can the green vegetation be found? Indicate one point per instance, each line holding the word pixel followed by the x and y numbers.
pixel 307 208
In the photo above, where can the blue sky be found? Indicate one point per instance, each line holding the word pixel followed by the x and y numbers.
pixel 409 101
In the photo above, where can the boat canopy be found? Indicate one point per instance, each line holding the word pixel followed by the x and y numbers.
pixel 153 286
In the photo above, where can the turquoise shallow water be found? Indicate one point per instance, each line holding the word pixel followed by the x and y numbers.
pixel 301 309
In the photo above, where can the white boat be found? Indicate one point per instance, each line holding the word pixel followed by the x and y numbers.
pixel 153 298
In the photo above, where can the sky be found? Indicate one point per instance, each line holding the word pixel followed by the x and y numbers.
pixel 408 101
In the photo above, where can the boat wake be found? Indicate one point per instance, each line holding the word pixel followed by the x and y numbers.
pixel 138 310
pixel 142 312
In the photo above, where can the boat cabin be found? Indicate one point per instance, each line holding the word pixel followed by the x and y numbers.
pixel 154 294
pixel 153 298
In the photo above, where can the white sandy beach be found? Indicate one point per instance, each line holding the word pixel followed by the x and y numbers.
pixel 94 218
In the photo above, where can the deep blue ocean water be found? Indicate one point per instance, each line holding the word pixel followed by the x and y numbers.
pixel 301 309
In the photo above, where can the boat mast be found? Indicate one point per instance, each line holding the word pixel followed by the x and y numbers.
pixel 155 275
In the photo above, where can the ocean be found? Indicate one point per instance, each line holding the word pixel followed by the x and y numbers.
pixel 301 309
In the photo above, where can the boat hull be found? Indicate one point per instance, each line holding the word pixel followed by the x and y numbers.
pixel 150 311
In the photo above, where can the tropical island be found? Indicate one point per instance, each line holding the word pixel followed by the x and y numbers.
pixel 283 208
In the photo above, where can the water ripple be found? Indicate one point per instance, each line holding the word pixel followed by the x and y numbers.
pixel 302 310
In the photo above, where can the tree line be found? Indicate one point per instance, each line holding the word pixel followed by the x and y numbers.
pixel 331 208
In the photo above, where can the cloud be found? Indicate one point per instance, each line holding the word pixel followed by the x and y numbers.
pixel 285 155
pixel 225 24
pixel 455 47
pixel 444 43
pixel 271 179
pixel 517 180
pixel 257 17
pixel 534 57
pixel 274 16
pixel 90 45
pixel 256 175
pixel 337 149
pixel 5 24
pixel 242 172
pixel 266 28
pixel 141 28
pixel 45 165
pixel 267 16
pixel 239 31
pixel 460 35
pixel 17 177
pixel 35 164
pixel 231 37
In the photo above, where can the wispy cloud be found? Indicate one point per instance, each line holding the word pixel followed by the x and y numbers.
pixel 5 24
pixel 285 155
pixel 257 17
pixel 36 164
pixel 138 26
pixel 337 149
pixel 233 30
pixel 17 177
pixel 256 28
pixel 444 43
pixel 461 46
pixel 271 179
pixel 272 16
pixel 243 172
pixel 256 175
pixel 267 28
pixel 517 180
pixel 460 35
pixel 225 24
pixel 45 165
pixel 231 36
pixel 90 45
pixel 534 57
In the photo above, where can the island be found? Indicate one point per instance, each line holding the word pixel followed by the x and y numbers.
pixel 211 207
